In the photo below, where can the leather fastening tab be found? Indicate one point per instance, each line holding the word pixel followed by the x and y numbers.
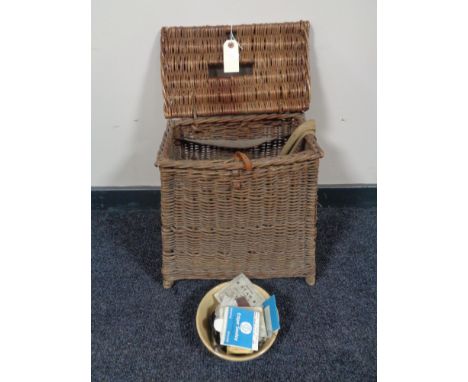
pixel 244 159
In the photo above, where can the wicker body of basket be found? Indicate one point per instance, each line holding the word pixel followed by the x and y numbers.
pixel 219 218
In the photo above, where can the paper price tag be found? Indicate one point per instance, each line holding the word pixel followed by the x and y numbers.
pixel 231 56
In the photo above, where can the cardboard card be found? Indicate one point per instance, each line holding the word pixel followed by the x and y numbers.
pixel 271 316
pixel 240 287
pixel 240 328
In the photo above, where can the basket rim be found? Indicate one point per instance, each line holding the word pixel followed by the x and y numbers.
pixel 173 122
pixel 233 164
pixel 306 23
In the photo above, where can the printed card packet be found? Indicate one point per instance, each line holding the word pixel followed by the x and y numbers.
pixel 271 314
pixel 240 328
pixel 240 287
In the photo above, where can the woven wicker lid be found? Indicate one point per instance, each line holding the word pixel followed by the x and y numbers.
pixel 274 75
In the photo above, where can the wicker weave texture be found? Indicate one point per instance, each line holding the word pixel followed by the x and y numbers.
pixel 278 82
pixel 219 219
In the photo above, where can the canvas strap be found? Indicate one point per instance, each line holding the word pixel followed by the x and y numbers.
pixel 296 138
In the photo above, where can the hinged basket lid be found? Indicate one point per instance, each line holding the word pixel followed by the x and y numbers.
pixel 273 78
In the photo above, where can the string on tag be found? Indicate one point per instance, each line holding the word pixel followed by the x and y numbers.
pixel 231 54
pixel 232 37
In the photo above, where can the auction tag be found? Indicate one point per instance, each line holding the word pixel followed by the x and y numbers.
pixel 231 56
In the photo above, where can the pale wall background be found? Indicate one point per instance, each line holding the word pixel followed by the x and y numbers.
pixel 127 116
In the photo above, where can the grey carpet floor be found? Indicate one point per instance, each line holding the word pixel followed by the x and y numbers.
pixel 142 332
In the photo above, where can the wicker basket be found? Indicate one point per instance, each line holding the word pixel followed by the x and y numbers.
pixel 221 215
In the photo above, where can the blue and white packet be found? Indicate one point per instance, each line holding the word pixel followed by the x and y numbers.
pixel 240 328
pixel 270 311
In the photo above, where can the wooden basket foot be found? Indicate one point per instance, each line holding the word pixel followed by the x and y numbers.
pixel 310 280
pixel 168 284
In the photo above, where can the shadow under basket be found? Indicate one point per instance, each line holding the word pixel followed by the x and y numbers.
pixel 218 217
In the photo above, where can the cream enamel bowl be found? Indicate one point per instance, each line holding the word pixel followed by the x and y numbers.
pixel 204 312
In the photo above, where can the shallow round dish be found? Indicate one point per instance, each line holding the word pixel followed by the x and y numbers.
pixel 204 311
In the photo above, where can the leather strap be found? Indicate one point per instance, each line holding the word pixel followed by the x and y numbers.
pixel 238 144
pixel 244 159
